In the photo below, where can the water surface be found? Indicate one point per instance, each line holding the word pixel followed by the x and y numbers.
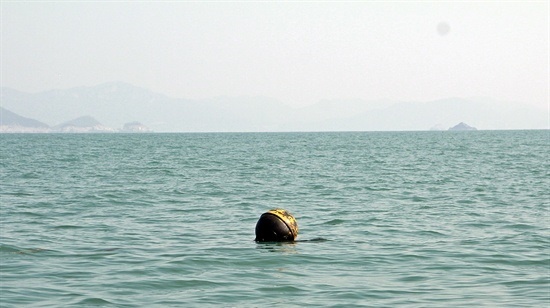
pixel 410 219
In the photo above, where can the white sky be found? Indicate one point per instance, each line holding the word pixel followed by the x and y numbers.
pixel 297 52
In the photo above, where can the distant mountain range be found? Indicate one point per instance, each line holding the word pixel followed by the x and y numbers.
pixel 117 105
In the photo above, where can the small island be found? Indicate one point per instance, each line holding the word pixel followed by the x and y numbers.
pixel 462 127
pixel 135 127
pixel 86 124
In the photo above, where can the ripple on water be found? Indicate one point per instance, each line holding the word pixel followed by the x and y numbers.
pixel 413 219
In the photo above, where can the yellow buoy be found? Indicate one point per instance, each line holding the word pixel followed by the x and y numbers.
pixel 276 225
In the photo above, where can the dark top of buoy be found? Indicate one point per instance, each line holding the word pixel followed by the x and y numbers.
pixel 276 225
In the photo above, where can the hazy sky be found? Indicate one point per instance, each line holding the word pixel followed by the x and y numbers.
pixel 297 52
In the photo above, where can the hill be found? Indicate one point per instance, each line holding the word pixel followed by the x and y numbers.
pixel 85 124
pixel 12 122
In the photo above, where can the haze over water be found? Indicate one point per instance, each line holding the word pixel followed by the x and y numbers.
pixel 409 219
pixel 298 53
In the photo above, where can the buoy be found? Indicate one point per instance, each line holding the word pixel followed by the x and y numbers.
pixel 276 225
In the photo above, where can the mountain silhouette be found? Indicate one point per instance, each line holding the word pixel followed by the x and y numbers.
pixel 117 103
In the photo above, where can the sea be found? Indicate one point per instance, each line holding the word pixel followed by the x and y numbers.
pixel 386 219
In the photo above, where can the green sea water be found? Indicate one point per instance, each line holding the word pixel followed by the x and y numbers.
pixel 400 219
